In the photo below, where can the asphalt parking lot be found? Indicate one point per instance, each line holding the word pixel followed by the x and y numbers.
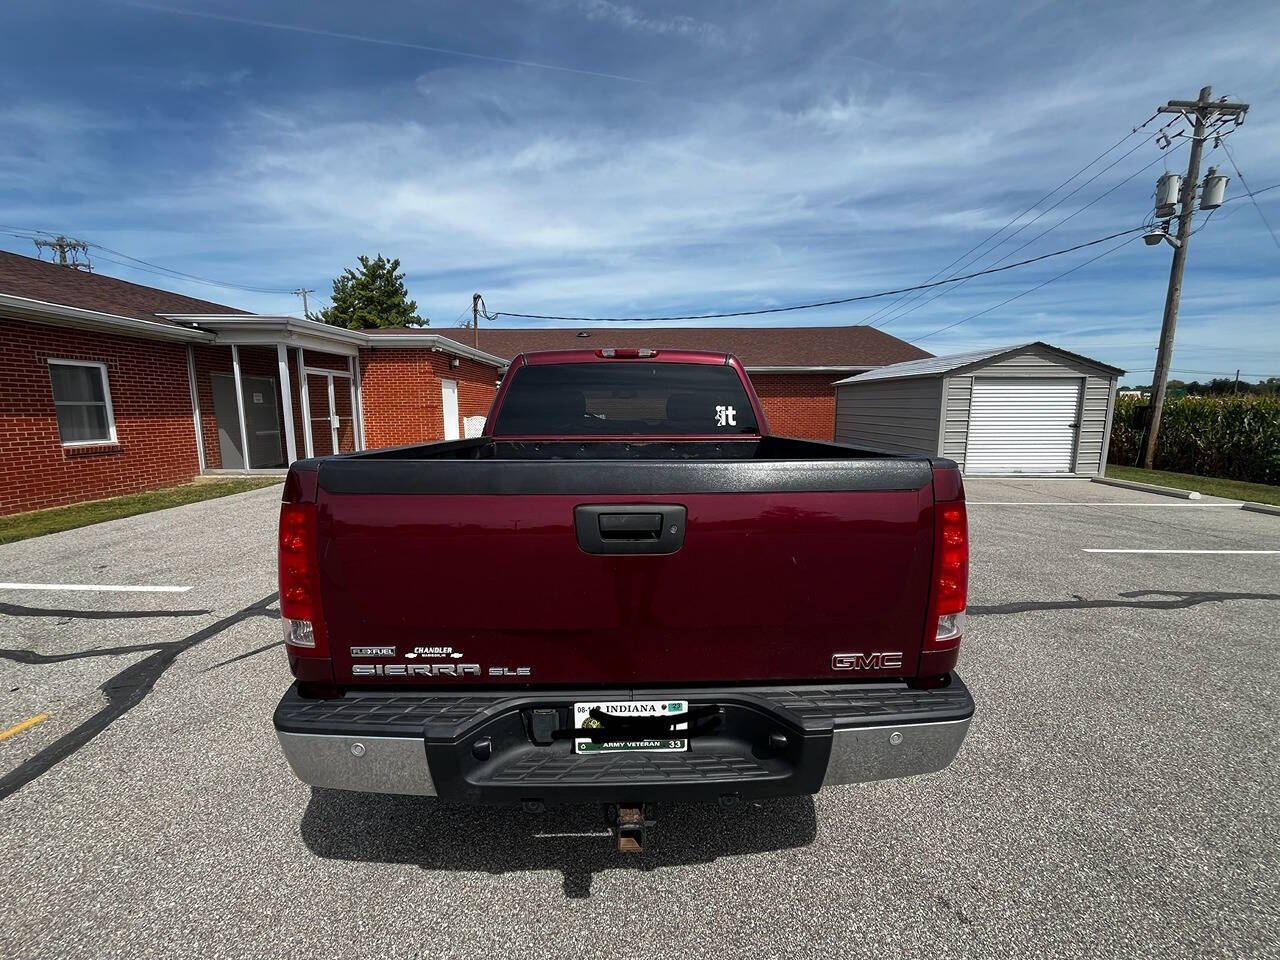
pixel 1116 795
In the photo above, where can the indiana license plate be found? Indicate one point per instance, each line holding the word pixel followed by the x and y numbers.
pixel 630 709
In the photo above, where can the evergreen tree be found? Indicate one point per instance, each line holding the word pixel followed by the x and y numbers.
pixel 374 296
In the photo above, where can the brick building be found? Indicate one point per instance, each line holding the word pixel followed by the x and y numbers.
pixel 793 369
pixel 109 387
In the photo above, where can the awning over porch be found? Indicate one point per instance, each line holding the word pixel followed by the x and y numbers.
pixel 272 389
pixel 261 407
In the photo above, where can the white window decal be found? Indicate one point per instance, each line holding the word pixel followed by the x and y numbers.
pixel 82 400
pixel 726 417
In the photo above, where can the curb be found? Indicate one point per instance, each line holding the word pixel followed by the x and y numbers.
pixel 1148 488
pixel 1261 508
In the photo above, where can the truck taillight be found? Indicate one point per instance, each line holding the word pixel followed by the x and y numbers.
pixel 950 573
pixel 299 601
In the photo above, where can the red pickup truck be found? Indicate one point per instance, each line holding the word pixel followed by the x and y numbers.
pixel 626 590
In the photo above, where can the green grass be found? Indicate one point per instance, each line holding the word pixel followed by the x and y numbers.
pixel 37 523
pixel 1209 486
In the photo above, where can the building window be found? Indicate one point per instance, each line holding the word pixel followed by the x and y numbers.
pixel 83 401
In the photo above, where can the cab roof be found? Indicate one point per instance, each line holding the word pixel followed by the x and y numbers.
pixel 600 355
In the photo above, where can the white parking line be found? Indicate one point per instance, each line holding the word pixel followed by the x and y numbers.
pixel 1133 550
pixel 94 587
pixel 1094 503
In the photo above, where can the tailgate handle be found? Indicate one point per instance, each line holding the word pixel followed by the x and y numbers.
pixel 618 528
pixel 630 526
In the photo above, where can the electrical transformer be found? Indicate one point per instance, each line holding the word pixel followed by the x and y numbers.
pixel 1167 189
pixel 1213 190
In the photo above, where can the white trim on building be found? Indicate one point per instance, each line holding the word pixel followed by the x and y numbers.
pixel 247 328
pixel 25 308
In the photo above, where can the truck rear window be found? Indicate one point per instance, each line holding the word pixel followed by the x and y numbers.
pixel 625 398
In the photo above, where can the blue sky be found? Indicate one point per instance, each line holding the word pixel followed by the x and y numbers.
pixel 602 158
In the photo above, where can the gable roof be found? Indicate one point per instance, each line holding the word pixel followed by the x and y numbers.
pixel 46 282
pixel 936 366
pixel 826 348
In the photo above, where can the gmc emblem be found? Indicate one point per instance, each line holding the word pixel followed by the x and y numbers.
pixel 867 661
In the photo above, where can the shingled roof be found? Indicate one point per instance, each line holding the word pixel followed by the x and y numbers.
pixel 53 283
pixel 937 366
pixel 847 348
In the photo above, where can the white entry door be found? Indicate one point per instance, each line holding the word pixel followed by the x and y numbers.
pixel 1023 425
pixel 449 403
pixel 329 409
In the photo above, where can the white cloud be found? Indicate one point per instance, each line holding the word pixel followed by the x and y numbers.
pixel 626 16
pixel 207 80
pixel 743 178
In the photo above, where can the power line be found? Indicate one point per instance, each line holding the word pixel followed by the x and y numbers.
pixel 24 232
pixel 1207 373
pixel 811 306
pixel 1018 296
pixel 1198 347
pixel 1252 196
pixel 1256 193
pixel 889 307
pixel 1102 196
pixel 918 302
pixel 174 275
pixel 135 263
pixel 969 261
pixel 155 267
pixel 1023 246
pixel 957 323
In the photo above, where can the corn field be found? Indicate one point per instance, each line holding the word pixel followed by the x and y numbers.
pixel 1233 437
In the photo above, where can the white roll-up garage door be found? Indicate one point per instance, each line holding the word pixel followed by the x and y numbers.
pixel 1022 425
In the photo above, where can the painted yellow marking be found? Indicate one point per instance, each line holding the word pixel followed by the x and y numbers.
pixel 26 724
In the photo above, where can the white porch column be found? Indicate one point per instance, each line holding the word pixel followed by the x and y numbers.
pixel 304 402
pixel 195 406
pixel 334 418
pixel 244 432
pixel 286 402
pixel 353 364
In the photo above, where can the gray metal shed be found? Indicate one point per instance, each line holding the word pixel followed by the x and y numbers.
pixel 1027 409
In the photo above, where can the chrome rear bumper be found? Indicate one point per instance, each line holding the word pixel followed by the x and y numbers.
pixel 863 754
pixel 366 764
pixel 373 763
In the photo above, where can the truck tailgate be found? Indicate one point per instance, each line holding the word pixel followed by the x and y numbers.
pixel 458 589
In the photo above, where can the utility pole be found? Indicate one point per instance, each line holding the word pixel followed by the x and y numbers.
pixel 1235 388
pixel 302 292
pixel 1203 110
pixel 475 320
pixel 61 246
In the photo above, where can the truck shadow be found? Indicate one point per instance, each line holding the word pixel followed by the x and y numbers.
pixel 573 840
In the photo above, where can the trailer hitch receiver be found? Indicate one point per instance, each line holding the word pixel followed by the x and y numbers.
pixel 629 826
